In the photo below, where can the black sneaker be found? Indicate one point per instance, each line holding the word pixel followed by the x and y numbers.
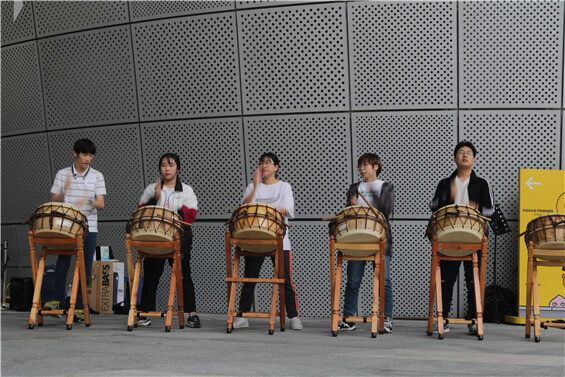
pixel 193 321
pixel 346 326
pixel 144 321
pixel 79 318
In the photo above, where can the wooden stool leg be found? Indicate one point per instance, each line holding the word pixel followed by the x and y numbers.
pixel 83 283
pixel 178 271
pixel 282 306
pixel 537 324
pixel 434 264
pixel 275 290
pixel 132 317
pixel 233 287
pixel 529 285
pixel 439 302
pixel 228 262
pixel 478 297
pixel 382 287
pixel 332 270
pixel 337 289
pixel 74 292
pixel 36 302
pixel 375 321
pixel 129 259
pixel 171 301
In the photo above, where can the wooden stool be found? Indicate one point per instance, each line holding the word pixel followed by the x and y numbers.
pixel 176 281
pixel 539 257
pixel 278 279
pixel 435 283
pixel 378 260
pixel 36 314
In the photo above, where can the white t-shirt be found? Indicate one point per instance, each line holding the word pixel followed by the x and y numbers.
pixel 276 195
pixel 86 185
pixel 371 191
pixel 462 194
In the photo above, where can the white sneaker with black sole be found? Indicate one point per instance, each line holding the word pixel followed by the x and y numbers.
pixel 240 322
pixel 295 323
pixel 445 328
pixel 346 326
pixel 144 321
pixel 388 324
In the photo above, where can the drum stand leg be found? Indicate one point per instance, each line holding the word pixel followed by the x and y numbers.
pixel 180 296
pixel 83 283
pixel 232 286
pixel 478 297
pixel 432 287
pixel 334 308
pixel 337 289
pixel 381 290
pixel 439 302
pixel 74 291
pixel 132 317
pixel 529 285
pixel 537 325
pixel 375 320
pixel 36 303
pixel 129 258
pixel 282 307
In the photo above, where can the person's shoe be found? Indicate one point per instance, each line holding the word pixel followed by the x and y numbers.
pixel 53 305
pixel 239 322
pixel 295 323
pixel 472 329
pixel 193 321
pixel 144 321
pixel 388 324
pixel 346 326
pixel 79 318
pixel 445 328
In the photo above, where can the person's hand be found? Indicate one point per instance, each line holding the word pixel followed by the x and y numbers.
pixel 81 202
pixel 158 189
pixel 473 204
pixel 453 190
pixel 67 185
pixel 354 200
pixel 257 177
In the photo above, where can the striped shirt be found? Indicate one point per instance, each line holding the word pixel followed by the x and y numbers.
pixel 86 185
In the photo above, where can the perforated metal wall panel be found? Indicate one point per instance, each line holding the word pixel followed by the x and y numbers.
pixel 414 162
pixel 21 29
pixel 306 71
pixel 147 10
pixel 22 103
pixel 510 53
pixel 314 154
pixel 211 156
pixel 55 17
pixel 508 141
pixel 9 235
pixel 176 79
pixel 403 54
pixel 118 158
pixel 266 3
pixel 79 88
pixel 26 176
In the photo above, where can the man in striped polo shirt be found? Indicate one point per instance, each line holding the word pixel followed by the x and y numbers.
pixel 83 187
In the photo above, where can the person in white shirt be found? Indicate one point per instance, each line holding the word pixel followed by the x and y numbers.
pixel 462 187
pixel 277 194
pixel 83 187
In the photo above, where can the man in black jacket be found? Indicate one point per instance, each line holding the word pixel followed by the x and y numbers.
pixel 466 188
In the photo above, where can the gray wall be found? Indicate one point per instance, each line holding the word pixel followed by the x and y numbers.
pixel 220 82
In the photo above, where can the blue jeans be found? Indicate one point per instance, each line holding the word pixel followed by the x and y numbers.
pixel 63 263
pixel 355 271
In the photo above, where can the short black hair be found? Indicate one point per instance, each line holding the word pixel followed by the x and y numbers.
pixel 170 156
pixel 465 143
pixel 372 159
pixel 85 146
pixel 273 158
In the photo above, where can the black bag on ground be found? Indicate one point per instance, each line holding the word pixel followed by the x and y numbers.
pixel 21 294
pixel 507 301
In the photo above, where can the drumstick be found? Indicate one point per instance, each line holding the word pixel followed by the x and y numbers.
pixel 182 222
pixel 331 218
pixel 369 204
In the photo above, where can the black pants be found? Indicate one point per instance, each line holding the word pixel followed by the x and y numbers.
pixel 153 269
pixel 252 270
pixel 449 272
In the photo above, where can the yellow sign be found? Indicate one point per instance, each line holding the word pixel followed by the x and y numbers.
pixel 542 192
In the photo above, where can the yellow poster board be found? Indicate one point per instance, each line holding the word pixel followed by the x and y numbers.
pixel 542 192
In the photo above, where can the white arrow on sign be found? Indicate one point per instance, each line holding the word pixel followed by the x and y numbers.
pixel 529 183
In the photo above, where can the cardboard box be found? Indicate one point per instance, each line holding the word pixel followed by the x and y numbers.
pixel 106 285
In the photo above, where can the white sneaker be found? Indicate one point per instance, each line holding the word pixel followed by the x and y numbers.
pixel 144 321
pixel 388 324
pixel 295 323
pixel 445 328
pixel 239 322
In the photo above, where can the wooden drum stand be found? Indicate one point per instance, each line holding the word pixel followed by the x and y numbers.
pixel 278 279
pixel 435 283
pixel 36 314
pixel 539 257
pixel 176 281
pixel 378 260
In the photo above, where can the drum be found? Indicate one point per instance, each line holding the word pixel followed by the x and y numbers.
pixel 58 220
pixel 457 224
pixel 257 221
pixel 359 224
pixel 548 233
pixel 155 224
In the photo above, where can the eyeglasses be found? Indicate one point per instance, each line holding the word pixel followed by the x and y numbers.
pixel 265 163
pixel 463 153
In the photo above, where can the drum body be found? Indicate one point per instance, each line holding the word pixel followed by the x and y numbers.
pixel 257 221
pixel 548 233
pixel 58 220
pixel 359 224
pixel 457 224
pixel 155 224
